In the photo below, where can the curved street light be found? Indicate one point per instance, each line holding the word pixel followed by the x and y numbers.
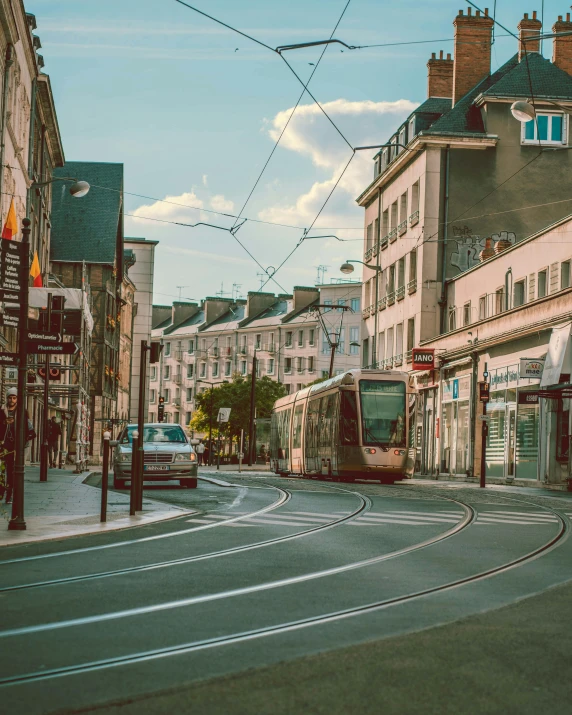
pixel 523 111
pixel 348 268
pixel 78 189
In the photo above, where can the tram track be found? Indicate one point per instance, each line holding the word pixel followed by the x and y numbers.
pixel 299 624
pixel 364 507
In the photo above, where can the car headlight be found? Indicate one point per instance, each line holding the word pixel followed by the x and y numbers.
pixel 124 457
pixel 182 457
pixel 193 457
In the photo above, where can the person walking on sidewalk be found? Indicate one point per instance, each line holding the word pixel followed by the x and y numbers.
pixel 200 448
pixel 8 438
pixel 54 434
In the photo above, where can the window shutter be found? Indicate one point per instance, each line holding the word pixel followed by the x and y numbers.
pixel 531 286
pixel 553 277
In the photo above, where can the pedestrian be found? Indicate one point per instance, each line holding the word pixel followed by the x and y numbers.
pixel 8 438
pixel 54 434
pixel 200 448
pixel 206 454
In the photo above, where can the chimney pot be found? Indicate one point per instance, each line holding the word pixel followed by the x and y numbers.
pixel 448 55
pixel 567 17
pixel 478 13
pixel 433 56
pixel 469 11
pixel 440 54
pixel 486 12
pixel 526 16
pixel 562 46
pixel 559 18
pixel 534 13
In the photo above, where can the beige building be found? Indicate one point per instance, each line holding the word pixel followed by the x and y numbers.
pixel 343 326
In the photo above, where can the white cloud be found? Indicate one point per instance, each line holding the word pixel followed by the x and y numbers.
pixel 171 208
pixel 311 135
pixel 219 203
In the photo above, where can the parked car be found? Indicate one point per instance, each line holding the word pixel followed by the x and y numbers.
pixel 167 454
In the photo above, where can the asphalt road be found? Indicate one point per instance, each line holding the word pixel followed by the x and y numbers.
pixel 275 587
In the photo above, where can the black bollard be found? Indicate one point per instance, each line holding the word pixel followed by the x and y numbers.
pixel 105 475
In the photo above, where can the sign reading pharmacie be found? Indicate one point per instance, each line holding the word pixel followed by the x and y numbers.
pixel 531 368
pixel 423 358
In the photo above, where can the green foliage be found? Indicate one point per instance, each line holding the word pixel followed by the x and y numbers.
pixel 236 395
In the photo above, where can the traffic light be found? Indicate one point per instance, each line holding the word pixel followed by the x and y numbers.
pixel 161 410
pixel 155 351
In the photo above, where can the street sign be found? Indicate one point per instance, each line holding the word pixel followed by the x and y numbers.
pixel 44 337
pixel 531 368
pixel 484 391
pixel 42 348
pixel 9 320
pixel 423 358
pixel 9 246
pixel 223 414
pixel 9 359
pixel 10 296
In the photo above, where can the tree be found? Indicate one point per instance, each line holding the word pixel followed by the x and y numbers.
pixel 236 395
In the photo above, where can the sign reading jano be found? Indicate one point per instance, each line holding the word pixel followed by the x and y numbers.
pixel 531 368
pixel 423 358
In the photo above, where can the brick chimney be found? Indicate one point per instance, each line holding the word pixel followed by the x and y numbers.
pixel 562 46
pixel 472 51
pixel 528 29
pixel 440 76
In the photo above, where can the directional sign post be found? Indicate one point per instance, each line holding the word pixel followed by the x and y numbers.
pixel 42 348
pixel 9 359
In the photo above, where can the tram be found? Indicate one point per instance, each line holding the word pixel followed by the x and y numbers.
pixel 357 425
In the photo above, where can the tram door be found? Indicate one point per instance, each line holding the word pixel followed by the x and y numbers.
pixel 297 418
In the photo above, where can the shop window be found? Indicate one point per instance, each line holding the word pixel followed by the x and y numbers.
pixel 542 281
pixel 519 293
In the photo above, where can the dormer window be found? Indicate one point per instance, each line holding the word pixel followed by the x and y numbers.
pixel 548 128
pixel 393 149
pixel 402 139
pixel 384 155
pixel 411 128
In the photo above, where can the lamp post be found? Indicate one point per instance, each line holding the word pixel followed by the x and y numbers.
pixel 17 521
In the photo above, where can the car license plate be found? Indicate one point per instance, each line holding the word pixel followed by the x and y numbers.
pixel 156 468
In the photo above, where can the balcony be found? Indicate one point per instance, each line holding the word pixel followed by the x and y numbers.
pixel 392 235
pixel 368 255
pixel 300 370
pixel 414 218
pixel 228 352
pixel 382 303
pixel 213 352
pixel 388 363
pixel 402 228
pixel 287 370
pixel 400 292
pixel 311 368
pixel 242 349
pixel 391 297
pixel 178 355
pixel 398 360
pixel 177 378
pixel 412 286
pixel 385 242
pixel 271 348
pixel 376 248
pixel 366 312
pixel 409 356
pixel 177 402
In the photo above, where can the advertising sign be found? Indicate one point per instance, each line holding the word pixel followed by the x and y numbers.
pixel 223 414
pixel 527 398
pixel 531 368
pixel 484 391
pixel 423 358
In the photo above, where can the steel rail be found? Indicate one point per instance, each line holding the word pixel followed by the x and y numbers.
pixel 295 625
pixel 194 600
pixel 365 506
pixel 284 498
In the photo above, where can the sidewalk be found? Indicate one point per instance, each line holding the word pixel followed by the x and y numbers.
pixel 65 506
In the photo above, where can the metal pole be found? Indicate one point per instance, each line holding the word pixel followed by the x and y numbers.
pixel 44 455
pixel 251 448
pixel 218 450
pixel 133 489
pixel 211 429
pixel 17 522
pixel 332 356
pixel 484 434
pixel 240 454
pixel 141 424
pixel 105 475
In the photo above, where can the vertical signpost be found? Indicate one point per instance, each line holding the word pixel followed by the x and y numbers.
pixel 44 445
pixel 223 416
pixel 484 394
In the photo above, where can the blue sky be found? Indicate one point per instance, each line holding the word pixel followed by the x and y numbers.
pixel 191 110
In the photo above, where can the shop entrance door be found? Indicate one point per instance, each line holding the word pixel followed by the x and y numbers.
pixel 510 457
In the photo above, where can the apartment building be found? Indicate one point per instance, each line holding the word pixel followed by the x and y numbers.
pixel 459 173
pixel 343 322
pixel 515 304
pixel 205 345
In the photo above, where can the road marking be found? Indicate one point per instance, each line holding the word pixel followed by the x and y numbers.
pixel 377 522
pixel 320 514
pixel 403 515
pixel 274 523
pixel 539 514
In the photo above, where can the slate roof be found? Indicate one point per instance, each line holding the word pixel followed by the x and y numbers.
pixel 547 80
pixel 195 319
pixel 86 229
pixel 229 320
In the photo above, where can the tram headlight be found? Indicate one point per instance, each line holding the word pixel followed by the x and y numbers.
pixel 369 450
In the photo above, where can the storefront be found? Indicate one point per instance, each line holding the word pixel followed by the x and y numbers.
pixel 456 425
pixel 427 423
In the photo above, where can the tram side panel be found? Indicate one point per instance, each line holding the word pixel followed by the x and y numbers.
pixel 280 440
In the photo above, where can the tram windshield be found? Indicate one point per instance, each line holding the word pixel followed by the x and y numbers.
pixel 383 412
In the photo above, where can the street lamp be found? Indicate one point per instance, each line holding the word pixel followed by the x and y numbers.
pixel 78 189
pixel 523 111
pixel 347 267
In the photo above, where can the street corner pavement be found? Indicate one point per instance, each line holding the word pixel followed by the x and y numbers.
pixel 66 506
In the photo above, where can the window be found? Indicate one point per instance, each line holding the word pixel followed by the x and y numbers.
pixel 325 373
pixel 153 373
pixel 452 319
pixel 519 288
pixel 381 348
pixel 369 237
pixel 548 129
pixel 258 341
pixel 402 138
pixel 341 342
pixel 311 337
pixel 341 301
pixel 166 395
pixel 391 279
pixel 410 334
pixel 227 368
pixel 152 395
pixel 189 394
pixel 167 349
pixel 394 215
pixel 190 370
pixel 399 340
pixel 327 302
pixel 389 344
pixel 288 365
pixel 203 369
pixel 176 418
pixel 482 307
pixel 564 275
pixel 411 128
pixel 215 369
pixel 542 281
pixel 270 369
pixel 393 148
pixel 300 338
pixel 191 348
pixel 385 223
pixel 354 338
pixel 413 269
pixel 401 275
pixel 289 339
pixel 384 158
pixel 467 314
pixel 203 345
pixel 325 343
pixel 415 197
pixel 355 305
pixel 499 301
pixel 403 208
pixel 188 418
pixel 299 364
pixel 243 367
pixel 167 372
pixel 311 363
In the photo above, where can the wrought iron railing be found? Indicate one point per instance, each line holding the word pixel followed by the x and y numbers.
pixel 412 286
pixel 402 228
pixel 392 235
pixel 400 293
pixel 391 297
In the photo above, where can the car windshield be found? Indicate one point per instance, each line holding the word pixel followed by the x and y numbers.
pixel 156 434
pixel 383 412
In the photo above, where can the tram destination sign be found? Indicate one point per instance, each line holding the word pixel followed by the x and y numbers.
pixel 423 358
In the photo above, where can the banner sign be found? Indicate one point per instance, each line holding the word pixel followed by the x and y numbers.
pixel 528 398
pixel 423 358
pixel 531 368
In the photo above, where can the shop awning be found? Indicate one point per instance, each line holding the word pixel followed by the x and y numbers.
pixel 557 357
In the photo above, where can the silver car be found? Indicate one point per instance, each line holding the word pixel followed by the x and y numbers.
pixel 167 454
